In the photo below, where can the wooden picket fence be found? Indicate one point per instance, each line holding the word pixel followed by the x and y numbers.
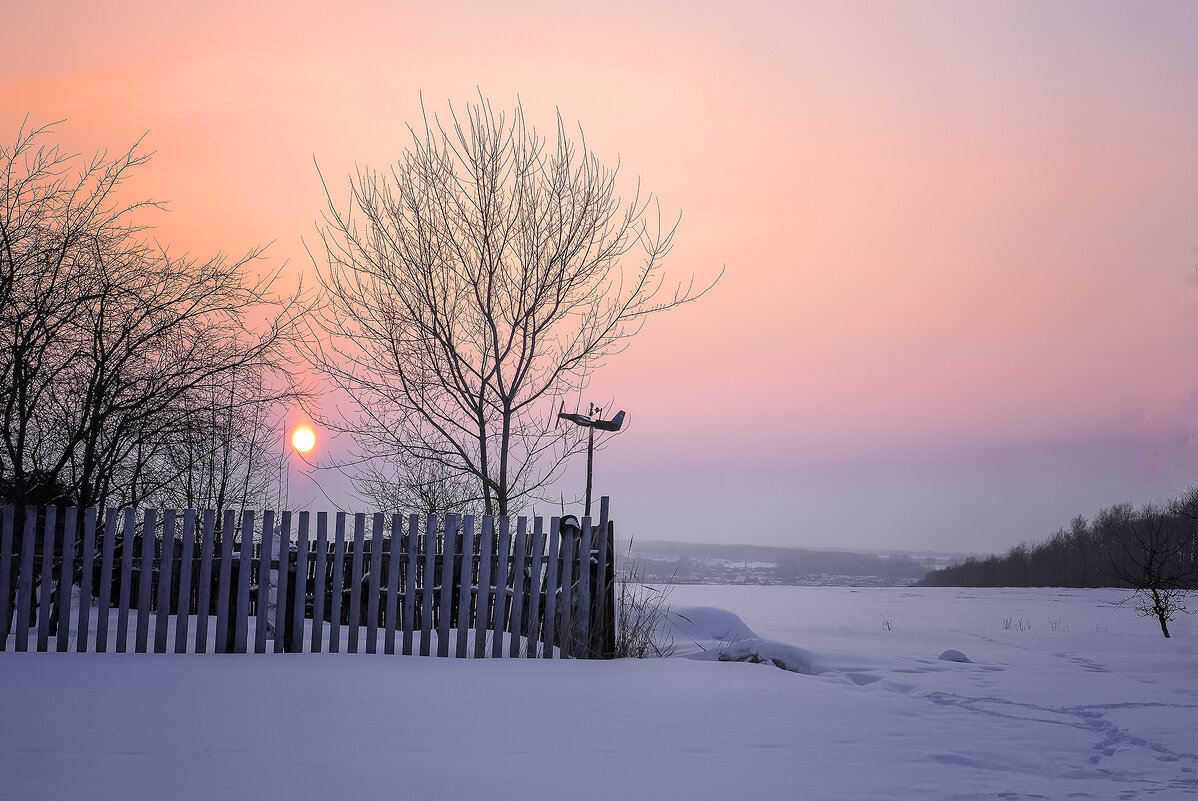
pixel 457 585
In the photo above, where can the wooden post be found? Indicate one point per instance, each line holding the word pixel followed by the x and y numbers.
pixel 355 582
pixel 66 577
pixel 128 540
pixel 104 591
pixel 186 564
pixel 283 559
pixel 409 591
pixel 145 587
pixel 25 580
pixel 372 585
pixel 609 594
pixel 446 601
pixel 43 609
pixel 429 578
pixel 241 620
pixel 224 589
pixel 262 597
pixel 299 588
pixel 482 610
pixel 6 541
pixel 566 601
pixel 582 616
pixel 319 580
pixel 82 628
pixel 204 588
pixel 549 632
pixel 502 563
pixel 392 610
pixel 465 592
pixel 338 583
pixel 165 563
pixel 534 586
pixel 519 558
pixel 603 632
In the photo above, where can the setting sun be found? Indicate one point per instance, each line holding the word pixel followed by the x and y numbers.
pixel 303 439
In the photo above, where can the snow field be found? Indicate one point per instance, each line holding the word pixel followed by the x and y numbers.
pixel 1103 710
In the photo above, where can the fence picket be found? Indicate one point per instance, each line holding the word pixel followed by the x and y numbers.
pixel 465 594
pixel 241 617
pixel 224 590
pixel 534 588
pixel 25 580
pixel 186 564
pixel 262 594
pixel 482 615
pixel 83 625
pixel 519 558
pixel 300 588
pixel 355 583
pixel 145 587
pixel 569 548
pixel 104 591
pixel 391 611
pixel 372 584
pixel 604 599
pixel 128 537
pixel 283 551
pixel 409 596
pixel 165 563
pixel 204 590
pixel 427 599
pixel 537 551
pixel 6 556
pixel 66 578
pixel 502 560
pixel 43 608
pixel 338 589
pixel 582 615
pixel 320 574
pixel 446 580
pixel 549 632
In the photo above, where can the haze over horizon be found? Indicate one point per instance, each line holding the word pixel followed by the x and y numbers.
pixel 961 240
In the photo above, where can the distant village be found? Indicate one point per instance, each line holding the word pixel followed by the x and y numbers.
pixel 692 563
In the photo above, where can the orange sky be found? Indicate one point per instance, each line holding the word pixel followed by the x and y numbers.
pixel 961 238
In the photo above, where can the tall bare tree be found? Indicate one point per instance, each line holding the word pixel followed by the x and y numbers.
pixel 481 277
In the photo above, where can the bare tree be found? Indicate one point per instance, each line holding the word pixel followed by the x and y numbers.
pixel 1154 558
pixel 107 338
pixel 485 274
pixel 224 452
pixel 54 227
pixel 418 485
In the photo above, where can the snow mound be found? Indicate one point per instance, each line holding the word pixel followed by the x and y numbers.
pixel 952 655
pixel 787 657
pixel 703 624
pixel 708 633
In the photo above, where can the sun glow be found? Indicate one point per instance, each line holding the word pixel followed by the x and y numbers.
pixel 303 439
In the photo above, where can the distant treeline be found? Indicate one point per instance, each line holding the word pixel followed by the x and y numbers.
pixel 1121 547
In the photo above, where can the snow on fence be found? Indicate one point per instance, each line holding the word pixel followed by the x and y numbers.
pixel 454 585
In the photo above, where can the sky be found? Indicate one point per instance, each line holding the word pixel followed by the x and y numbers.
pixel 959 240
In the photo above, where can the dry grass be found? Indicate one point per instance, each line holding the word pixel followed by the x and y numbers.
pixel 642 611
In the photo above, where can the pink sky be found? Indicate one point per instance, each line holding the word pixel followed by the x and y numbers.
pixel 961 297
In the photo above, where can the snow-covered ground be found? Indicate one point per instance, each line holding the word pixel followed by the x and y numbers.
pixel 1063 697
